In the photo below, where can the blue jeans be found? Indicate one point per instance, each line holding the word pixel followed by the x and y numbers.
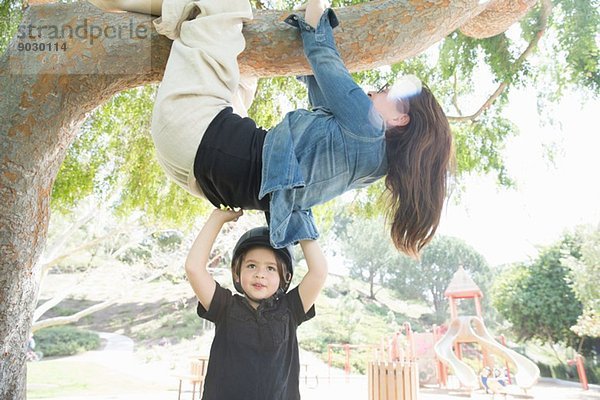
pixel 313 156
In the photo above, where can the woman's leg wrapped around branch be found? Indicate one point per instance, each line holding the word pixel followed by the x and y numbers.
pixel 152 7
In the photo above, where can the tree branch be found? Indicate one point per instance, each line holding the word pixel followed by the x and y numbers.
pixel 558 357
pixel 544 15
pixel 84 246
pixel 46 323
pixel 455 94
pixel 41 310
pixel 65 235
pixel 369 36
pixel 64 320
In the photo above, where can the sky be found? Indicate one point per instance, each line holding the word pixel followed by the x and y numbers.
pixel 509 225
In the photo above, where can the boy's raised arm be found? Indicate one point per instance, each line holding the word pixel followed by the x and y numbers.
pixel 313 281
pixel 201 281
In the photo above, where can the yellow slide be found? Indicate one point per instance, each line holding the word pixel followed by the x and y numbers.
pixel 471 329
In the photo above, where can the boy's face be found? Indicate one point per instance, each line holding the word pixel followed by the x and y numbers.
pixel 258 274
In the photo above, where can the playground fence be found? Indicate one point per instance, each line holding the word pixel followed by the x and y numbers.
pixel 391 380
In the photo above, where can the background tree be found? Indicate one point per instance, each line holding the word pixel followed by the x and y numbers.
pixel 584 276
pixel 373 259
pixel 439 261
pixel 537 299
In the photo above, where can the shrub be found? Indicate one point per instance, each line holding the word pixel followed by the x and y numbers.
pixel 65 341
pixel 593 372
pixel 569 372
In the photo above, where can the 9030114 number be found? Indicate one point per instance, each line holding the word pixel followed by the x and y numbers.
pixel 43 46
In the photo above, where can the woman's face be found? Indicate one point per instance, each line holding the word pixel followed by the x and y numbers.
pixel 388 109
pixel 259 276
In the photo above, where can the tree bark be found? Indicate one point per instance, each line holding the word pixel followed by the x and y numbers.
pixel 497 17
pixel 47 92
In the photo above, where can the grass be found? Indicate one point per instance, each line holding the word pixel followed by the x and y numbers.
pixel 67 377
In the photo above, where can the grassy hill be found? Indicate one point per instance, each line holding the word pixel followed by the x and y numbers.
pixel 160 315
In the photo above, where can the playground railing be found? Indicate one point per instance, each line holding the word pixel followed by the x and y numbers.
pixel 579 362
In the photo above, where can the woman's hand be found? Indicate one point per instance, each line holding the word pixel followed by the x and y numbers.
pixel 314 10
pixel 153 7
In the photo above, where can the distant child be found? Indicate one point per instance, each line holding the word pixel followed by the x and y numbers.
pixel 254 354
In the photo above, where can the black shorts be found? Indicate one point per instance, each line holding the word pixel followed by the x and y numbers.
pixel 228 163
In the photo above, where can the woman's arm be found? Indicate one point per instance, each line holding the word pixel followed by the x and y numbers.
pixel 313 281
pixel 201 281
pixel 349 104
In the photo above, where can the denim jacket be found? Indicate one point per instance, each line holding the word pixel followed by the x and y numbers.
pixel 313 156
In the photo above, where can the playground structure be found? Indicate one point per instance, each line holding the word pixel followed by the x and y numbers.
pixel 407 359
pixel 471 330
pixel 578 361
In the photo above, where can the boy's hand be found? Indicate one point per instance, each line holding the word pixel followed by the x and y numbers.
pixel 226 215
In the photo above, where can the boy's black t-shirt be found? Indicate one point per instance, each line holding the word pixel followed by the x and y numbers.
pixel 228 163
pixel 254 355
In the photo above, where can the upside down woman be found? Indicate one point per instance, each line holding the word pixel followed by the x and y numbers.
pixel 348 140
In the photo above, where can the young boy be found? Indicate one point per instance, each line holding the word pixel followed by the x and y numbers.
pixel 254 354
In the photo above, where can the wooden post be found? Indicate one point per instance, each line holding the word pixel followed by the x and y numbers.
pixel 370 380
pixel 388 381
pixel 415 380
pixel 411 340
pixel 377 381
pixel 329 362
pixel 395 354
pixel 398 389
pixel 347 363
pixel 393 380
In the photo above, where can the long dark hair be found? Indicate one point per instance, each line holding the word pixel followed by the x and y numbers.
pixel 419 157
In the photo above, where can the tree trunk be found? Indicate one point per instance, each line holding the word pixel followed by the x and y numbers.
pixel 47 92
pixel 371 285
